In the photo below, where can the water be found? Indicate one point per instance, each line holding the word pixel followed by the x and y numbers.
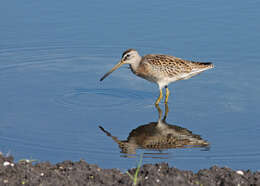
pixel 52 55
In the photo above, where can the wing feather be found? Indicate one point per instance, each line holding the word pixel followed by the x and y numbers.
pixel 168 65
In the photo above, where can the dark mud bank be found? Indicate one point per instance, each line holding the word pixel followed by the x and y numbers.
pixel 82 173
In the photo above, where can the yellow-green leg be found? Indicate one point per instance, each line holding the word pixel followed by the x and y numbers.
pixel 167 94
pixel 159 98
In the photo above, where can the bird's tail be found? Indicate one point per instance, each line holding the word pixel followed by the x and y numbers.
pixel 203 65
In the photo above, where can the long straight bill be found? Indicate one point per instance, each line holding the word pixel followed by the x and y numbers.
pixel 112 70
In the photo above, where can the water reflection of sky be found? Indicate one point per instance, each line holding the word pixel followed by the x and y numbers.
pixel 52 55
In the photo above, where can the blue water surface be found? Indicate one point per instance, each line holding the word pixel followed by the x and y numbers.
pixel 53 53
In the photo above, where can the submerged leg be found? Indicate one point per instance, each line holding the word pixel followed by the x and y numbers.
pixel 159 111
pixel 166 111
pixel 159 98
pixel 167 94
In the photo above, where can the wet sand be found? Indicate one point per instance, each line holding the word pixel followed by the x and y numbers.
pixel 82 173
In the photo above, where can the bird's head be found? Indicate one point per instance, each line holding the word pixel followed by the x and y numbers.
pixel 130 56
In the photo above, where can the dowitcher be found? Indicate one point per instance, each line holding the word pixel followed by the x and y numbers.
pixel 158 135
pixel 160 69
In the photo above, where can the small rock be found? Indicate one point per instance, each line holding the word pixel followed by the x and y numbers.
pixel 240 172
pixel 6 163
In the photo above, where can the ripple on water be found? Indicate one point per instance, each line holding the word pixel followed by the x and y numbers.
pixel 98 98
pixel 35 55
pixel 58 56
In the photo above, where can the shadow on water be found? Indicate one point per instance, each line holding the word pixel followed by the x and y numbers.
pixel 158 136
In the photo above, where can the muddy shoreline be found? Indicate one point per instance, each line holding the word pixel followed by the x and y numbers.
pixel 81 173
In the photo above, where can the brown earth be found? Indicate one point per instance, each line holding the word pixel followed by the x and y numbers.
pixel 81 173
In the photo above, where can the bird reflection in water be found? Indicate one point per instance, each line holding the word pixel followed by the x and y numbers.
pixel 158 136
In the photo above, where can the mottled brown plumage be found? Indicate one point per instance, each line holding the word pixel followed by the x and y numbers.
pixel 158 136
pixel 160 69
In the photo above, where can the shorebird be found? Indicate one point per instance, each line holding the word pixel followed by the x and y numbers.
pixel 160 69
pixel 158 135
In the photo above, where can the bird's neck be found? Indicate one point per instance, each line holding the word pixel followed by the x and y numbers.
pixel 135 64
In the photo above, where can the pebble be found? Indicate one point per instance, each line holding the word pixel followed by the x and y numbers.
pixel 6 163
pixel 240 172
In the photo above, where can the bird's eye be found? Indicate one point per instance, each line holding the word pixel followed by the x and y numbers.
pixel 127 56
